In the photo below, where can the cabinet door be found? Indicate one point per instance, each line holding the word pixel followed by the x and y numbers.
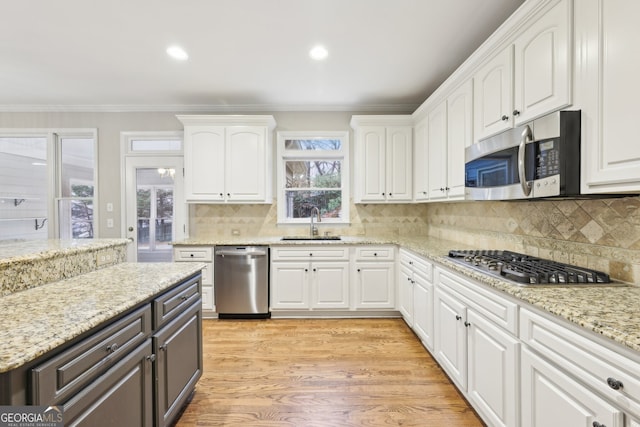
pixel 375 285
pixel 542 65
pixel 204 163
pixel 289 285
pixel 550 397
pixel 178 349
pixel 371 170
pixel 493 96
pixel 399 163
pixel 451 337
pixel 330 285
pixel 421 161
pixel 607 70
pixel 459 136
pixel 246 164
pixel 423 310
pixel 405 295
pixel 493 362
pixel 123 396
pixel 438 152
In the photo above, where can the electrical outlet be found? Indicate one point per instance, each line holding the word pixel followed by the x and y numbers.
pixel 109 222
pixel 105 257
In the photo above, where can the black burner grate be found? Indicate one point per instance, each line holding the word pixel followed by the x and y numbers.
pixel 528 269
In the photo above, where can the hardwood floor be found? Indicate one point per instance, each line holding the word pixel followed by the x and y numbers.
pixel 321 372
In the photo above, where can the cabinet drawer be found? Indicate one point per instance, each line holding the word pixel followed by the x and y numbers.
pixel 311 253
pixel 193 254
pixel 417 264
pixel 589 361
pixel 372 253
pixel 60 377
pixel 499 310
pixel 173 302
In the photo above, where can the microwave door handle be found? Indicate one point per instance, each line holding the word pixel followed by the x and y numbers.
pixel 522 173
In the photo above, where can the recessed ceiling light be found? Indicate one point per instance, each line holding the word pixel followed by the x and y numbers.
pixel 319 53
pixel 176 52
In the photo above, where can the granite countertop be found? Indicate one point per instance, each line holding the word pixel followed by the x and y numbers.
pixel 27 250
pixel 40 319
pixel 610 311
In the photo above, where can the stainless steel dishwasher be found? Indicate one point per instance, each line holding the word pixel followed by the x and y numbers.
pixel 241 281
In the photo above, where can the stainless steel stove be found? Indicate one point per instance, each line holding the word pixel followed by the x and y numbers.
pixel 528 270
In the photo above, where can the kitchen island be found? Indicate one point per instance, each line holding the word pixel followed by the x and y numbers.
pixel 125 336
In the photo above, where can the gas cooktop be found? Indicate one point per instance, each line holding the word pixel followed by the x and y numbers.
pixel 527 270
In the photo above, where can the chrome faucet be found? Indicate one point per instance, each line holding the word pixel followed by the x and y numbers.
pixel 313 231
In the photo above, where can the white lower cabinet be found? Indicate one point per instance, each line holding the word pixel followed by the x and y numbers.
pixel 304 285
pixel 374 277
pixel 479 355
pixel 203 254
pixel 552 398
pixel 309 277
pixel 415 295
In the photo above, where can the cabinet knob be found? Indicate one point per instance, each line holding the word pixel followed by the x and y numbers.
pixel 467 324
pixel 220 194
pixel 597 424
pixel 383 194
pixel 163 347
pixel 375 254
pixel 311 254
pixel 112 348
pixel 504 118
pixel 614 383
pixel 314 269
pixel 458 317
pixel 390 194
pixel 516 113
pixel 151 358
pixel 358 270
pixel 447 188
pixel 184 297
pixel 228 194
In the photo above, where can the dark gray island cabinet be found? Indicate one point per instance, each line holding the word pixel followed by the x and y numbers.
pixel 137 369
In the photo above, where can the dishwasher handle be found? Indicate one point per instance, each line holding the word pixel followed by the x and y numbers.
pixel 241 252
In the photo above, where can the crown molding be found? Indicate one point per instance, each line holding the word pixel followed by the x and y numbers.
pixel 247 108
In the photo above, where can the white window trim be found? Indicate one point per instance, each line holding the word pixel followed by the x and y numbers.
pixel 284 155
pixel 126 139
pixel 53 169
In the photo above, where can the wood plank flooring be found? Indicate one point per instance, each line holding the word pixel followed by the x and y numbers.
pixel 321 372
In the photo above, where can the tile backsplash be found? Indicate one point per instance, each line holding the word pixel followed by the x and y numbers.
pixel 603 234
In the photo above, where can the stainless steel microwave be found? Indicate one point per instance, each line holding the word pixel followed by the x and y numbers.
pixel 537 160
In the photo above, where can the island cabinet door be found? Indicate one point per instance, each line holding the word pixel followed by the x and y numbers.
pixel 178 349
pixel 123 396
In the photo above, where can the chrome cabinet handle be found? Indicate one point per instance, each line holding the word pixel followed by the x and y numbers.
pixel 522 172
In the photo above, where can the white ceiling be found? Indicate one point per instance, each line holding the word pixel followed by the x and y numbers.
pixel 109 55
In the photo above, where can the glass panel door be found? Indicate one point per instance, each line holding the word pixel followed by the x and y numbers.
pixel 154 206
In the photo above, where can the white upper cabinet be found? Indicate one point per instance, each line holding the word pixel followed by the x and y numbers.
pixel 542 64
pixel 493 95
pixel 383 165
pixel 528 78
pixel 227 158
pixel 438 152
pixel 421 161
pixel 607 92
pixel 459 136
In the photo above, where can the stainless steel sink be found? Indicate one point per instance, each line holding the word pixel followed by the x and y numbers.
pixel 314 238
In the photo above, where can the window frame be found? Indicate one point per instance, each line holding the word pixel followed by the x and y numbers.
pixel 284 155
pixel 54 170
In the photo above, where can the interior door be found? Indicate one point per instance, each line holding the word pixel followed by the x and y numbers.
pixel 154 207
